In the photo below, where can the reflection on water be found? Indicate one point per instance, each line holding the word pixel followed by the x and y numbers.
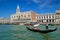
pixel 17 32
pixel 45 36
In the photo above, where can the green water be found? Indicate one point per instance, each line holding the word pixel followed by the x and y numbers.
pixel 17 32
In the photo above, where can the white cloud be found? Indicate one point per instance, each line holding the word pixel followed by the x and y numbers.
pixel 43 3
pixel 46 3
pixel 36 1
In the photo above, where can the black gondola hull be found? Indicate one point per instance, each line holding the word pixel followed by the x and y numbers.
pixel 42 31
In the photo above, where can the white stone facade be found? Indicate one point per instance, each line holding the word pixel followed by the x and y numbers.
pixel 57 16
pixel 27 16
pixel 49 18
pixel 46 18
pixel 4 21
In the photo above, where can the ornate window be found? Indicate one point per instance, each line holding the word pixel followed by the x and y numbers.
pixel 28 15
pixel 24 15
pixel 14 16
pixel 53 16
pixel 17 16
pixel 21 15
pixel 44 17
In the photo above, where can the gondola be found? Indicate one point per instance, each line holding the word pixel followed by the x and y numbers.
pixel 42 31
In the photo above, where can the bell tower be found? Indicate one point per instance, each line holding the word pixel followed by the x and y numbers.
pixel 18 10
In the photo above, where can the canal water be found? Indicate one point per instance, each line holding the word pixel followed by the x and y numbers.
pixel 17 32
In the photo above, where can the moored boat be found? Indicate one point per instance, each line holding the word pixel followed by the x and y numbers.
pixel 28 24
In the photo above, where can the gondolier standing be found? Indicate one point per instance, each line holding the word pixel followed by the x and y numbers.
pixel 46 26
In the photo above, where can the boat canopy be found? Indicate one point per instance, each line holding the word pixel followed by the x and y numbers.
pixel 36 25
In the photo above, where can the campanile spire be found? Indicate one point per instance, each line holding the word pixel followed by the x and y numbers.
pixel 17 10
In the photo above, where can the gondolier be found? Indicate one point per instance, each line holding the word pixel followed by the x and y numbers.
pixel 46 26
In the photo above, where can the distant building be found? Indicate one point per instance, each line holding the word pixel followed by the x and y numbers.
pixel 30 16
pixel 4 21
pixel 46 18
pixel 24 17
pixel 57 16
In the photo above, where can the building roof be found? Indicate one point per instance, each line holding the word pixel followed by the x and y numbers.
pixel 46 14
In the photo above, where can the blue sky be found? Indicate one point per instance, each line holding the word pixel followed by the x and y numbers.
pixel 8 7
